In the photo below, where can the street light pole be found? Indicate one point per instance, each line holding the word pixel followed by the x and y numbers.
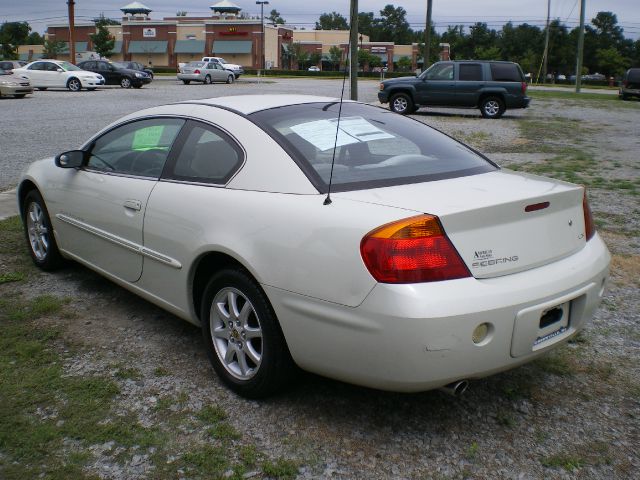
pixel 72 31
pixel 262 4
pixel 427 37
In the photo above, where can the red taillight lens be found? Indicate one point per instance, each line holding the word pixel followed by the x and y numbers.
pixel 589 226
pixel 524 87
pixel 197 72
pixel 412 250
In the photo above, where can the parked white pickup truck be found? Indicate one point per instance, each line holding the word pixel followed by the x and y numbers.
pixel 236 69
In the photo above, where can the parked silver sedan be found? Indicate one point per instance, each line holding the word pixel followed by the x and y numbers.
pixel 16 85
pixel 205 72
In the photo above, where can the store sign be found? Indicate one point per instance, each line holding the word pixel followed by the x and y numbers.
pixel 378 49
pixel 149 32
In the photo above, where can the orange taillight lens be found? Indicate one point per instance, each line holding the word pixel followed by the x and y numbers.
pixel 589 225
pixel 412 250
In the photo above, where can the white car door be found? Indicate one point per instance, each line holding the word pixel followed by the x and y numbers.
pixel 37 74
pixel 101 212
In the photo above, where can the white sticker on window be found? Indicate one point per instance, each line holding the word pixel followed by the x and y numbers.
pixel 322 133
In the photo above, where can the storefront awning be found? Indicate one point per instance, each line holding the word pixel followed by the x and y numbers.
pixel 232 46
pixel 189 46
pixel 148 46
pixel 80 47
pixel 117 46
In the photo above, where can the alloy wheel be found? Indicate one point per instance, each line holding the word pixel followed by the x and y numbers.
pixel 37 231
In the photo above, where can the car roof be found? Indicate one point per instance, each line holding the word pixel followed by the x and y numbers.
pixel 247 104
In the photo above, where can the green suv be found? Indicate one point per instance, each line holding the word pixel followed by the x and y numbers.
pixel 490 86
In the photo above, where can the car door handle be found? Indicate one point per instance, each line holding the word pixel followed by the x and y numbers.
pixel 133 205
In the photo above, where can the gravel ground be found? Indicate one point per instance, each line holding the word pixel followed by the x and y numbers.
pixel 573 414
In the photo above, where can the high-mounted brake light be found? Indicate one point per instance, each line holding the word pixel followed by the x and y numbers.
pixel 412 250
pixel 589 225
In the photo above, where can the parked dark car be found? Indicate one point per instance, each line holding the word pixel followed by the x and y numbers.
pixel 630 85
pixel 493 87
pixel 115 73
pixel 9 65
pixel 138 66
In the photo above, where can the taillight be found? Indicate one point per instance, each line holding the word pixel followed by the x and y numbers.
pixel 523 85
pixel 589 225
pixel 412 250
pixel 197 72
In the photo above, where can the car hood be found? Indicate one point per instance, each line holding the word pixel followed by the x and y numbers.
pixel 13 77
pixel 393 81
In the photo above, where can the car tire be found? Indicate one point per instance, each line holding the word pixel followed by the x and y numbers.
pixel 125 82
pixel 74 85
pixel 207 80
pixel 19 95
pixel 247 348
pixel 186 82
pixel 39 233
pixel 42 89
pixel 401 103
pixel 492 107
pixel 231 79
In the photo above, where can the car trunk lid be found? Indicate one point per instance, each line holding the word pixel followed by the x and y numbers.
pixel 500 222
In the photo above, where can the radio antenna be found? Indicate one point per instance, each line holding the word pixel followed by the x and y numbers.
pixel 327 201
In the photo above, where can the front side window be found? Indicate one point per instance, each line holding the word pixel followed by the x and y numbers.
pixel 440 71
pixel 375 147
pixel 137 148
pixel 207 155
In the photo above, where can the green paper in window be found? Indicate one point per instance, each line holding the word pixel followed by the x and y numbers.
pixel 148 138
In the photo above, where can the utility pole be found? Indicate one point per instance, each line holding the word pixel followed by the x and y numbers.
pixel 427 37
pixel 72 31
pixel 580 47
pixel 353 49
pixel 262 4
pixel 546 45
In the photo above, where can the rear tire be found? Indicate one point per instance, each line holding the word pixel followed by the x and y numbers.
pixel 186 82
pixel 492 107
pixel 207 80
pixel 401 103
pixel 39 233
pixel 242 336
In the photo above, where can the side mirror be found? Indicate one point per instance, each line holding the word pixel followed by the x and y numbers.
pixel 71 159
pixel 59 70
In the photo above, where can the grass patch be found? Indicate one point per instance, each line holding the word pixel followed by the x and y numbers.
pixel 11 277
pixel 161 372
pixel 567 462
pixel 128 374
pixel 555 363
pixel 280 469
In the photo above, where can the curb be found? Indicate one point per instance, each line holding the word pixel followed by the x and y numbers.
pixel 8 204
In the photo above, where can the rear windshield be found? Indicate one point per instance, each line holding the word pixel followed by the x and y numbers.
pixel 506 72
pixel 375 147
pixel 195 64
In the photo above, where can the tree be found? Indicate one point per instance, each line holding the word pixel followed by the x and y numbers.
pixel 275 18
pixel 335 56
pixel 53 48
pixel 610 62
pixel 332 21
pixel 315 58
pixel 13 34
pixel 487 53
pixel 35 39
pixel 299 54
pixel 102 20
pixel 393 25
pixel 404 64
pixel 103 42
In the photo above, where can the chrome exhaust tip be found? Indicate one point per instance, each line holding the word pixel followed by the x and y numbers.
pixel 455 389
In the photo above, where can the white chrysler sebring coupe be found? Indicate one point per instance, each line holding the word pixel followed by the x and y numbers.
pixel 428 264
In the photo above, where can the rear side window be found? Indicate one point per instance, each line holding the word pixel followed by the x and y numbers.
pixel 470 72
pixel 375 147
pixel 206 155
pixel 506 72
pixel 634 75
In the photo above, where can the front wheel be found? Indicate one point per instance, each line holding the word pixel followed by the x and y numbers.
pixel 242 336
pixel 39 233
pixel 74 85
pixel 230 79
pixel 401 103
pixel 492 107
pixel 125 82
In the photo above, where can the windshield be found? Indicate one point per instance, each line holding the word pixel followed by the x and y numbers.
pixel 222 60
pixel 69 67
pixel 375 147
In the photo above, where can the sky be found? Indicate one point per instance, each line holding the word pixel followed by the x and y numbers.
pixel 495 13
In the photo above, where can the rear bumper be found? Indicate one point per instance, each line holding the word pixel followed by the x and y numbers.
pixel 193 77
pixel 517 101
pixel 418 337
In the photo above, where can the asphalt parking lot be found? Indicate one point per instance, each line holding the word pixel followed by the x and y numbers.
pixel 571 414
